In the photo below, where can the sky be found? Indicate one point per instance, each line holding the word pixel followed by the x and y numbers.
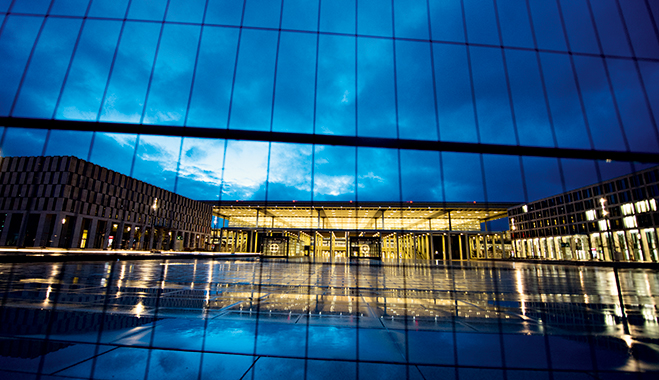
pixel 501 74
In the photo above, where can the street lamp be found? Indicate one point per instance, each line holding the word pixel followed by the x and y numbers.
pixel 625 323
pixel 154 207
pixel 607 229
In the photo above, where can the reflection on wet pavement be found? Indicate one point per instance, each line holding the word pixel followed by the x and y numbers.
pixel 232 319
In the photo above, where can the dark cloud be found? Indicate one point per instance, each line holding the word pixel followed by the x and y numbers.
pixel 336 86
pixel 252 94
pixel 108 8
pixel 186 11
pixel 172 77
pixel 416 108
pixel 16 42
pixel 114 152
pixel 22 142
pixel 354 93
pixel 294 95
pixel 376 88
pixel 130 77
pixel 83 92
pixel 45 75
pixel 59 143
pixel 209 106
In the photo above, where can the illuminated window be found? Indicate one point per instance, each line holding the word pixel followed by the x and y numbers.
pixel 629 221
pixel 642 206
pixel 525 208
pixel 591 214
pixel 603 225
pixel 627 209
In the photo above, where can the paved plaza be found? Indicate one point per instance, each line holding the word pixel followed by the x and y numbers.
pixel 251 319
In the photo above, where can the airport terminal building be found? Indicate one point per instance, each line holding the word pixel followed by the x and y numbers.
pixel 336 231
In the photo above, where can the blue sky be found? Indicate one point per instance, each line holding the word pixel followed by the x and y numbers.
pixel 188 74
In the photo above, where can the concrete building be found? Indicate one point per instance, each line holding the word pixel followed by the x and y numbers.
pixel 615 220
pixel 67 202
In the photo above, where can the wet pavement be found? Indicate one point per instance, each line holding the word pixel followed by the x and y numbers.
pixel 252 319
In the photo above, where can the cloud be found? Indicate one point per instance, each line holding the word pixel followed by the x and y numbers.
pixel 333 185
pixel 346 88
pixel 345 97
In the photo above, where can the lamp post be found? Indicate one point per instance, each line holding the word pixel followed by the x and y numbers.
pixel 607 229
pixel 154 207
pixel 609 237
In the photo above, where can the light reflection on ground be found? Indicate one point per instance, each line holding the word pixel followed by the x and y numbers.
pixel 275 319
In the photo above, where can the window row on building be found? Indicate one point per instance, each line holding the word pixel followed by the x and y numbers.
pixel 613 220
pixel 87 206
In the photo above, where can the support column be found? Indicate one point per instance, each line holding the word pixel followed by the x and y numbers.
pixel 460 244
pixel 486 243
pixel 131 237
pixel 77 230
pixel 396 238
pixel 431 256
pixel 424 246
pixel 57 230
pixel 22 230
pixel 450 245
pixel 503 245
pixel 139 244
pixel 149 244
pixel 408 245
pixel 450 228
pixel 120 235
pixel 221 235
pixel 38 235
pixel 332 247
pixel 106 237
pixel 5 232
pixel 414 246
pixel 91 234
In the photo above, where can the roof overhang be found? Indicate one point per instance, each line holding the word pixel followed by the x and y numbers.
pixel 418 216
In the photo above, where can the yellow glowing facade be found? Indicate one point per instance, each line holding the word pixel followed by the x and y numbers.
pixel 362 217
pixel 335 231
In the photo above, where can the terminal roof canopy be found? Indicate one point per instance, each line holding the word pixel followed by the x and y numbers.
pixel 360 216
